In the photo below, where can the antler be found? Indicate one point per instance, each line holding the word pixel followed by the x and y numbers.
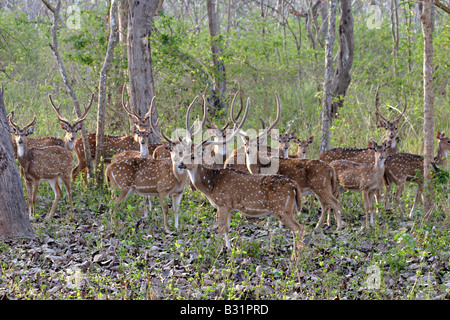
pixel 289 127
pixel 202 124
pixel 154 126
pixel 276 120
pixel 398 117
pixel 79 119
pixel 131 113
pixel 15 126
pixel 377 111
pixel 60 117
pixel 235 130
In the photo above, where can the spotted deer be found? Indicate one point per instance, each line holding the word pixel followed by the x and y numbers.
pixel 302 147
pixel 71 129
pixel 230 190
pixel 367 155
pixel 238 158
pixel 311 175
pixel 219 154
pixel 112 144
pixel 405 167
pixel 365 178
pixel 52 163
pixel 151 177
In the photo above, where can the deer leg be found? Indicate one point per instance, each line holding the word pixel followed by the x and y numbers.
pixel 223 215
pixel 386 195
pixel 35 189
pixel 366 201
pixel 66 183
pixel 288 219
pixel 416 200
pixel 176 199
pixel 57 190
pixel 165 207
pixel 398 193
pixel 29 186
pixel 377 197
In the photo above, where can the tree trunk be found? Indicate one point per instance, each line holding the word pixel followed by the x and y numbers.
pixel 54 46
pixel 14 222
pixel 141 87
pixel 342 78
pixel 428 101
pixel 326 101
pixel 100 136
pixel 122 20
pixel 219 88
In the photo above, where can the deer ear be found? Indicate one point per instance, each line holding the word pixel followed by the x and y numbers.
pixel 440 135
pixel 12 130
pixel 371 145
pixel 134 120
pixel 63 126
pixel 30 130
pixel 78 127
pixel 134 129
pixel 310 139
pixel 381 124
pixel 273 135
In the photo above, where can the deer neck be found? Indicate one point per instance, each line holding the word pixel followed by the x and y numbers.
pixel 23 155
pixel 68 144
pixel 441 157
pixel 143 149
pixel 378 167
pixel 179 174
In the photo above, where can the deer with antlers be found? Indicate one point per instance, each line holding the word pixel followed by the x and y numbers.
pixel 405 167
pixel 230 190
pixel 52 163
pixel 150 177
pixel 365 178
pixel 71 129
pixel 367 155
pixel 112 144
pixel 311 175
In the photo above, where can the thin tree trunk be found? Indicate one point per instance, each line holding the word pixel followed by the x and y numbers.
pixel 326 101
pixel 219 89
pixel 54 46
pixel 428 102
pixel 342 77
pixel 14 222
pixel 113 39
pixel 140 71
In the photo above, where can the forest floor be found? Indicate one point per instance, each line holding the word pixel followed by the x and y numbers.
pixel 105 255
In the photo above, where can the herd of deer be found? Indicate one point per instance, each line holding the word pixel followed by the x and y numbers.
pixel 268 181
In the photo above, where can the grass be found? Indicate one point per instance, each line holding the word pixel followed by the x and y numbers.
pixel 123 256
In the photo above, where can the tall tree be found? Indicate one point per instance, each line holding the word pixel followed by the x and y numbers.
pixel 326 101
pixel 428 102
pixel 141 87
pixel 217 91
pixel 100 136
pixel 14 222
pixel 342 77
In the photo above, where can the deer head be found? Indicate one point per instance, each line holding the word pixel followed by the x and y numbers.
pixel 391 127
pixel 21 135
pixel 302 146
pixel 70 128
pixel 284 140
pixel 251 144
